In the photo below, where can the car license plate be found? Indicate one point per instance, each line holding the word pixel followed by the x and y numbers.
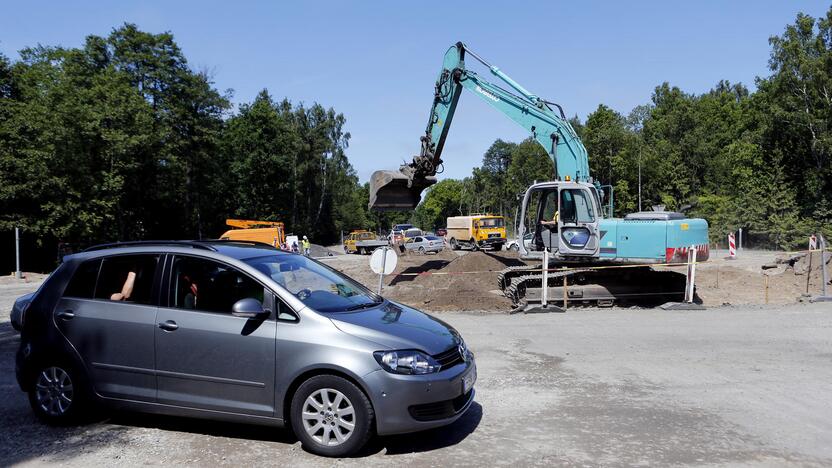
pixel 468 380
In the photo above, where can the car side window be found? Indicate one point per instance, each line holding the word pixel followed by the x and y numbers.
pixel 126 278
pixel 209 286
pixel 82 284
pixel 284 313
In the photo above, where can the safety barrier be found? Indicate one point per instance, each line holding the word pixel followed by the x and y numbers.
pixel 732 247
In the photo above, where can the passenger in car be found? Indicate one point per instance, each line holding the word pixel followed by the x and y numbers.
pixel 126 289
pixel 191 290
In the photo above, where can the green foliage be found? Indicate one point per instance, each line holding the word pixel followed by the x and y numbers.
pixel 121 139
pixel 441 201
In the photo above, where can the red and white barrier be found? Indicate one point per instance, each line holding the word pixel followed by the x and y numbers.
pixel 732 247
pixel 813 242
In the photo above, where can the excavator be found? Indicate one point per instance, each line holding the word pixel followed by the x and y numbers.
pixel 568 220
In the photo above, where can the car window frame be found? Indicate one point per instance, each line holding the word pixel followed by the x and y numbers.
pixel 167 282
pixel 75 270
pixel 270 295
pixel 154 288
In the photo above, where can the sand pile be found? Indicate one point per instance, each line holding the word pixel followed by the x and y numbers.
pixel 450 281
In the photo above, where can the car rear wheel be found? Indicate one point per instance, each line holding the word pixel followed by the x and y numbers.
pixel 422 250
pixel 331 416
pixel 454 244
pixel 58 394
pixel 515 247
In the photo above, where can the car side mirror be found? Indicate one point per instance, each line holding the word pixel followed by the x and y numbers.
pixel 249 308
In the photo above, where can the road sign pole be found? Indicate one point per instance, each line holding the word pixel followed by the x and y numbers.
pixel 383 265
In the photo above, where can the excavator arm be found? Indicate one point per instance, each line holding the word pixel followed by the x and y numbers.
pixel 400 190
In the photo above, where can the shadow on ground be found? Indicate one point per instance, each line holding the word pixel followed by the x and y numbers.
pixel 408 274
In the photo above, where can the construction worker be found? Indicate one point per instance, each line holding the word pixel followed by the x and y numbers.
pixel 553 222
pixel 306 245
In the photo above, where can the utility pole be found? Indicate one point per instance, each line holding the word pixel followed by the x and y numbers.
pixel 639 180
pixel 17 273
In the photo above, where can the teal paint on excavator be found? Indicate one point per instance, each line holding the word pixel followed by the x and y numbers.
pixel 550 129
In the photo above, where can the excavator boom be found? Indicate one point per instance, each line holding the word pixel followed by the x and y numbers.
pixel 401 190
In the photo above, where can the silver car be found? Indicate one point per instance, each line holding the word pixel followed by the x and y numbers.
pixel 237 331
pixel 425 244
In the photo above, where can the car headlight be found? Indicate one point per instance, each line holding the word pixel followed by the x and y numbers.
pixel 406 362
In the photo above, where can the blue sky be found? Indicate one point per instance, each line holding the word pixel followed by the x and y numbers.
pixel 376 62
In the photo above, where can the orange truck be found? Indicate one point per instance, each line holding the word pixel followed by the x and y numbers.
pixel 267 232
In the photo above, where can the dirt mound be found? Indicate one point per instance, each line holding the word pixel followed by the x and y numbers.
pixel 453 281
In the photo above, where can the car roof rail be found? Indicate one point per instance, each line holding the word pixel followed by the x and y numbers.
pixel 238 241
pixel 151 243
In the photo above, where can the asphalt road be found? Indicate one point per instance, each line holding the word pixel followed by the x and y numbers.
pixel 727 386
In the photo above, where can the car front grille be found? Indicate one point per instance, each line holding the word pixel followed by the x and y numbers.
pixel 449 358
pixel 440 409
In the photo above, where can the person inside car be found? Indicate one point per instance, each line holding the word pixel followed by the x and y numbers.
pixel 126 289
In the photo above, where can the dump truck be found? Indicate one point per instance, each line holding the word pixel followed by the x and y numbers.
pixel 362 242
pixel 476 231
pixel 267 232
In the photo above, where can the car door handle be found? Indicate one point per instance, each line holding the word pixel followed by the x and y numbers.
pixel 66 314
pixel 168 325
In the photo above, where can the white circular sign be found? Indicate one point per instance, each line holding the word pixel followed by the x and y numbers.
pixel 378 258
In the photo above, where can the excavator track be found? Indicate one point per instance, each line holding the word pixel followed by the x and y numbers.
pixel 643 286
pixel 504 277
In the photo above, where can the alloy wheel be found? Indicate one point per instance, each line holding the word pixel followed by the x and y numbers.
pixel 328 417
pixel 54 391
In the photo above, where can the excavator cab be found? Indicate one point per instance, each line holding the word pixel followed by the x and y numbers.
pixel 396 191
pixel 563 219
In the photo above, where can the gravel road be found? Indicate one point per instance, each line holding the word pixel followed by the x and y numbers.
pixel 726 386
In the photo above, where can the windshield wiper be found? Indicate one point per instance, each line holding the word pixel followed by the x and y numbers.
pixel 365 305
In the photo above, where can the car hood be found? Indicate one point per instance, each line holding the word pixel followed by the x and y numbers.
pixel 398 327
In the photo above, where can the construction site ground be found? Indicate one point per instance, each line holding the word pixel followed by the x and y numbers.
pixel 736 385
pixel 729 386
pixel 467 280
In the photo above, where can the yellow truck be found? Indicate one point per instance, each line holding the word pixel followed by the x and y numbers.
pixel 362 242
pixel 476 231
pixel 267 232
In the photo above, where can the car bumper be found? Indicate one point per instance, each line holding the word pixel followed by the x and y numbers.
pixel 492 241
pixel 410 403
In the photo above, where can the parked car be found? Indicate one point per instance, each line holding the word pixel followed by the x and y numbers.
pixel 238 331
pixel 397 232
pixel 514 246
pixel 425 244
pixel 412 233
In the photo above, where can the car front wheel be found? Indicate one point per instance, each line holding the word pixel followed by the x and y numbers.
pixel 331 416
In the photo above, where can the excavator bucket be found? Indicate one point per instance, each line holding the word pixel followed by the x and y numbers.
pixel 389 191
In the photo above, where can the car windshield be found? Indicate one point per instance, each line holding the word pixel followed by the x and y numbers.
pixel 317 286
pixel 431 238
pixel 491 222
